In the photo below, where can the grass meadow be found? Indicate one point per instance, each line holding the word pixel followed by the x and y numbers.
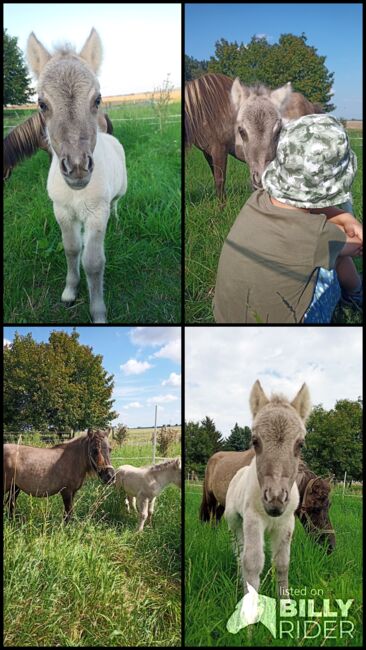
pixel 94 582
pixel 207 226
pixel 143 246
pixel 212 584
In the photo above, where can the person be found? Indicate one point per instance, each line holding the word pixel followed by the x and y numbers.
pixel 288 257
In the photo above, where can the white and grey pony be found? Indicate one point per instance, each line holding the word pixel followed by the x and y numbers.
pixel 88 170
pixel 264 495
pixel 143 484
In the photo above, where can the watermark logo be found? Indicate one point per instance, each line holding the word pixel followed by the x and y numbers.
pixel 293 619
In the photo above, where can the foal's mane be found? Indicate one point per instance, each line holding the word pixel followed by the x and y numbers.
pixel 161 466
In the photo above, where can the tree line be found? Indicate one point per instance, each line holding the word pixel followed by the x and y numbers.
pixel 291 59
pixel 58 386
pixel 333 443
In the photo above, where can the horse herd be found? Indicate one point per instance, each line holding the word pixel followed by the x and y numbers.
pixel 43 472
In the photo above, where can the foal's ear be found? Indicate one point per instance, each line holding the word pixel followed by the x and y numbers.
pixel 238 93
pixel 257 398
pixel 281 96
pixel 37 55
pixel 302 402
pixel 92 51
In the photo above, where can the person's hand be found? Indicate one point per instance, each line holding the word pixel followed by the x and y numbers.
pixel 353 228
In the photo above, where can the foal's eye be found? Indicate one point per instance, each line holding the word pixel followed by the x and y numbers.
pixel 42 106
pixel 243 133
pixel 97 101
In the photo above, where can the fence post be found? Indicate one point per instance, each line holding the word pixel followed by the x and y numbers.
pixel 344 484
pixel 154 438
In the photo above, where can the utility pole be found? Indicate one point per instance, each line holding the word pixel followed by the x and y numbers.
pixel 154 441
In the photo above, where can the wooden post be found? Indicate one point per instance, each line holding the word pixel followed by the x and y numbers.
pixel 344 483
pixel 154 439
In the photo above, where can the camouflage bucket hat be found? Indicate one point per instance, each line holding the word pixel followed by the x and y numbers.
pixel 314 165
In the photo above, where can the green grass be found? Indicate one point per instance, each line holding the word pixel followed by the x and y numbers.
pixel 143 247
pixel 207 226
pixel 212 583
pixel 94 582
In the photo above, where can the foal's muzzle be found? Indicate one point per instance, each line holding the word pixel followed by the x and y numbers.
pixel 275 502
pixel 77 170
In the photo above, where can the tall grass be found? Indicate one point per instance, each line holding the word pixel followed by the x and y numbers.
pixel 213 586
pixel 143 247
pixel 94 582
pixel 207 226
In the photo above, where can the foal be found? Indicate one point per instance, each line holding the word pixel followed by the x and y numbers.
pixel 264 495
pixel 88 170
pixel 144 484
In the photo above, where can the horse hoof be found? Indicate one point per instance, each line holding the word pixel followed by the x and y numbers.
pixel 68 295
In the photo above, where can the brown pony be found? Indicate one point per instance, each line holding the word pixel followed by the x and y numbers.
pixel 43 472
pixel 313 510
pixel 222 117
pixel 26 138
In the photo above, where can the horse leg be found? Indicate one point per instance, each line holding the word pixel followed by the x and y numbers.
pixel 219 158
pixel 252 557
pixel 67 498
pixel 11 498
pixel 143 507
pixel 127 504
pixel 71 238
pixel 281 545
pixel 93 261
pixel 133 503
pixel 150 510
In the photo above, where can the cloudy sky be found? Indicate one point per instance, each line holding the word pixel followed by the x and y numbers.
pixel 145 362
pixel 223 363
pixel 141 42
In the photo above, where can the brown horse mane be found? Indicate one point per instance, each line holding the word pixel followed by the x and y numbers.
pixel 24 140
pixel 97 434
pixel 206 101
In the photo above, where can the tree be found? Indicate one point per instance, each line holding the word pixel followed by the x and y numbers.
pixel 193 68
pixel 239 439
pixel 202 439
pixel 166 436
pixel 17 82
pixel 291 59
pixel 333 442
pixel 60 384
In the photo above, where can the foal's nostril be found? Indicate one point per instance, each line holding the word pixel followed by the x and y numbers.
pixel 90 163
pixel 66 169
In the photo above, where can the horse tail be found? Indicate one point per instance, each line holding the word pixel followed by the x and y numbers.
pixel 23 141
pixel 210 508
pixel 109 124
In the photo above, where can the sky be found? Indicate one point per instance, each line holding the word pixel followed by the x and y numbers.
pixel 335 30
pixel 145 362
pixel 141 42
pixel 222 364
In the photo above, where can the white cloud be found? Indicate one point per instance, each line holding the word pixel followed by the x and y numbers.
pixel 171 350
pixel 134 367
pixel 174 380
pixel 162 399
pixel 328 359
pixel 153 336
pixel 133 405
pixel 7 343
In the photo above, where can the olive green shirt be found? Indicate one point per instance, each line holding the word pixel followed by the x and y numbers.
pixel 269 263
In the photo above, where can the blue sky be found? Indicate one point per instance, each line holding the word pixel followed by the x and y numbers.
pixel 335 30
pixel 141 42
pixel 328 359
pixel 145 362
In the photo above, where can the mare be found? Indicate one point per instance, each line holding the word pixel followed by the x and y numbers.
pixel 61 469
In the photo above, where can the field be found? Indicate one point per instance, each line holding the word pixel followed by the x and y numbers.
pixel 143 246
pixel 207 225
pixel 212 586
pixel 94 582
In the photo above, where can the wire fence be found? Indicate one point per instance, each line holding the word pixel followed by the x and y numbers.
pixel 176 118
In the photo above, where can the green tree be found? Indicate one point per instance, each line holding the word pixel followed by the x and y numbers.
pixel 202 439
pixel 239 439
pixel 60 384
pixel 193 68
pixel 291 59
pixel 334 440
pixel 17 82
